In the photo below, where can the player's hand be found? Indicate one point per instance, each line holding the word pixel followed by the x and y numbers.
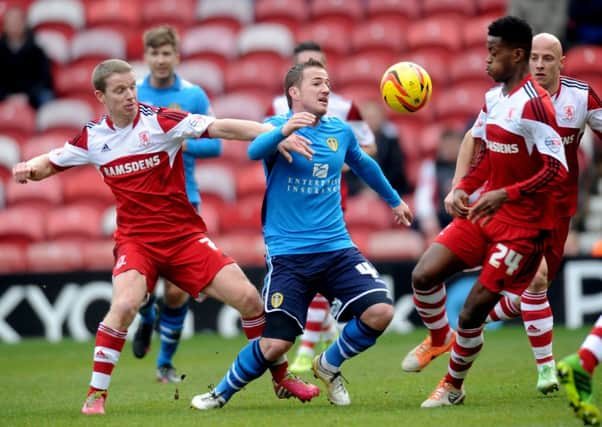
pixel 487 205
pixel 448 202
pixel 298 121
pixel 298 144
pixel 402 214
pixel 22 172
pixel 459 205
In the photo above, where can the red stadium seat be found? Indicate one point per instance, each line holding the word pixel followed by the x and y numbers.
pixel 55 45
pixel 332 37
pixel 116 14
pixel 492 8
pixel 265 40
pixel 347 12
pixel 368 212
pixel 460 103
pixel 10 155
pixel 66 16
pixel 12 259
pixel 53 257
pixel 21 225
pixel 393 245
pixel 364 68
pixel 379 34
pixel 402 10
pixel 360 93
pixel 158 12
pixel 247 248
pixel 98 255
pixel 43 143
pixel 461 9
pixel 235 153
pixel 64 114
pixel 97 44
pixel 210 42
pixel 42 194
pixel 241 106
pixel 216 179
pixel 204 73
pixel 583 62
pixel 290 13
pixel 434 63
pixel 17 118
pixel 234 14
pixel 596 84
pixel 210 212
pixel 439 34
pixel 255 75
pixel 242 216
pixel 250 181
pixel 73 80
pixel 85 185
pixel 109 221
pixel 474 33
pixel 470 67
pixel 73 222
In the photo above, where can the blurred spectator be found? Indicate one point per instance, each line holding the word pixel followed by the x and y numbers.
pixel 585 22
pixel 544 16
pixel 25 67
pixel 388 153
pixel 434 183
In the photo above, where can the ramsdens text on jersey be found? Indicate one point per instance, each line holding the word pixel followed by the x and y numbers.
pixel 130 167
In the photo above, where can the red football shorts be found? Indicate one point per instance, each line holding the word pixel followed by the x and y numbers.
pixel 555 246
pixel 510 255
pixel 190 263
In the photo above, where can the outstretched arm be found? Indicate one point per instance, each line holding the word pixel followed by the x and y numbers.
pixel 34 169
pixel 236 129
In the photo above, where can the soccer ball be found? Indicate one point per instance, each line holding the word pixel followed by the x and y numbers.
pixel 406 87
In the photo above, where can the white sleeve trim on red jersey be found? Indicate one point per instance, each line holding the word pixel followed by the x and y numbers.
pixel 478 128
pixel 546 139
pixel 191 126
pixel 69 155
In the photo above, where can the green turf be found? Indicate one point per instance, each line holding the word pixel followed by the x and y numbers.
pixel 44 384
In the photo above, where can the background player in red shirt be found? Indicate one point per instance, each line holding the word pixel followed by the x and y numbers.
pixel 505 229
pixel 137 149
pixel 576 104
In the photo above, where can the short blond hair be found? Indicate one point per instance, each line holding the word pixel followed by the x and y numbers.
pixel 160 36
pixel 107 68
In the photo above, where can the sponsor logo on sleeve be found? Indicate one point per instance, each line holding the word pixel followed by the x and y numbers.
pixel 553 143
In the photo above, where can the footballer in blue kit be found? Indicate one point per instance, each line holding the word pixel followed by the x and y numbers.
pixel 162 87
pixel 308 248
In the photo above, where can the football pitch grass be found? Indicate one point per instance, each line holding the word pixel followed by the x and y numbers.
pixel 44 384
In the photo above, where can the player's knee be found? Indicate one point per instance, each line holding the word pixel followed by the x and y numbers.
pixel 540 281
pixel 124 310
pixel 378 316
pixel 249 302
pixel 421 278
pixel 174 297
pixel 467 319
pixel 272 348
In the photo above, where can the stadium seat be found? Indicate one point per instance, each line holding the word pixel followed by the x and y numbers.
pixel 242 216
pixel 97 44
pixel 347 12
pixel 402 10
pixel 158 12
pixel 492 8
pixel 265 40
pixel 378 34
pixel 50 257
pixel 64 114
pixel 210 42
pixel 55 45
pixel 234 14
pixel 470 67
pixel 457 9
pixel 460 103
pixel 241 106
pixel 364 68
pixel 115 14
pixel 216 179
pixel 250 181
pixel 439 34
pixel 66 16
pixel 368 212
pixel 12 259
pixel 98 255
pixel 21 225
pixel 395 245
pixel 42 194
pixel 332 37
pixel 204 73
pixel 84 184
pixel 73 80
pixel 360 93
pixel 255 75
pixel 247 248
pixel 10 155
pixel 73 222
pixel 17 118
pixel 210 212
pixel 596 83
pixel 235 152
pixel 43 143
pixel 290 13
pixel 474 33
pixel 435 64
pixel 583 62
